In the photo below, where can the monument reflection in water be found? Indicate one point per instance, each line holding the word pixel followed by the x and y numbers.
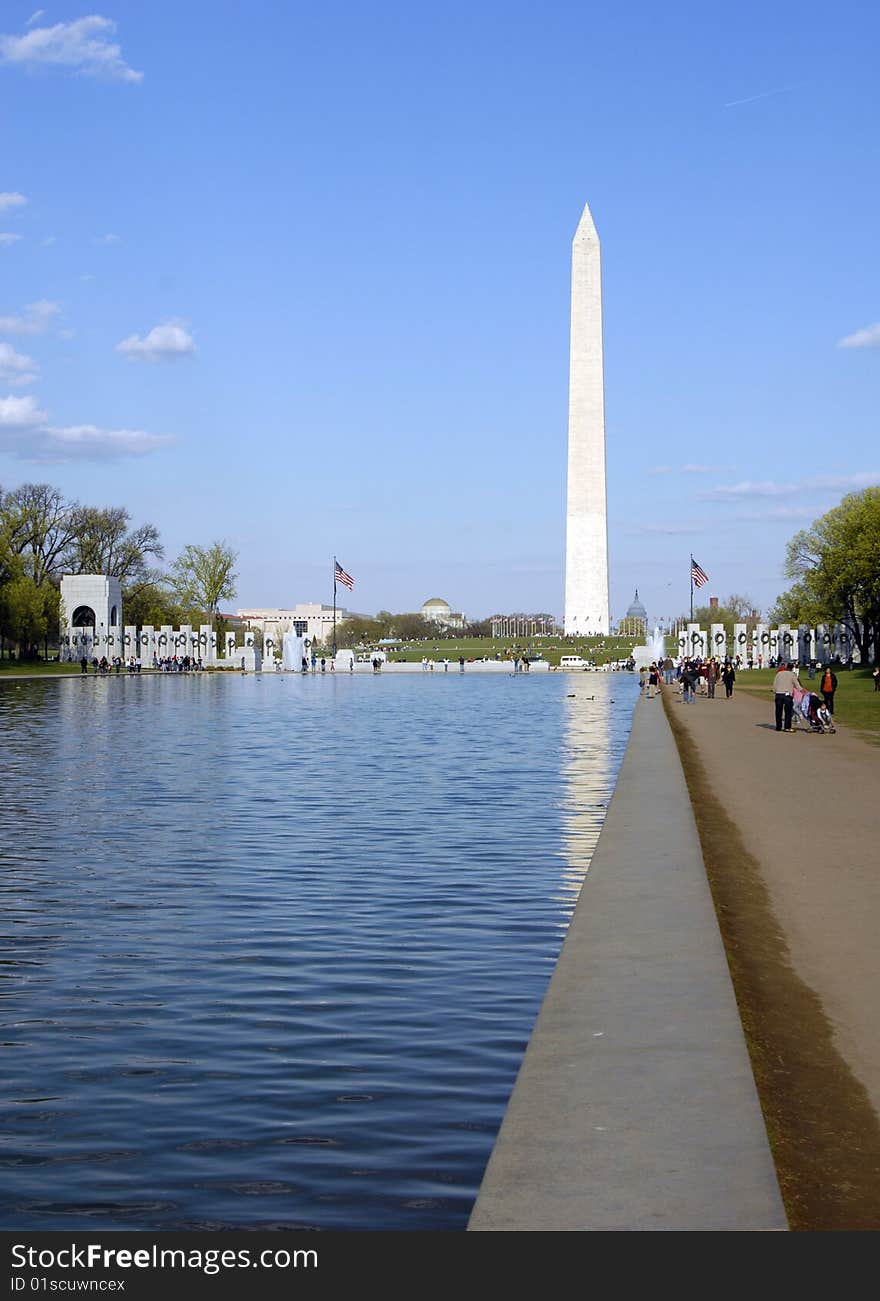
pixel 273 946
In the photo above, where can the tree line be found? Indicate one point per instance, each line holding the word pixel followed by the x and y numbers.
pixel 359 630
pixel 44 535
pixel 836 567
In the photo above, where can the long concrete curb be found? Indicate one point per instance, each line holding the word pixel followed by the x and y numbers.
pixel 635 1106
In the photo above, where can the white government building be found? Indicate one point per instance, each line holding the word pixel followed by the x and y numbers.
pixel 308 619
pixel 436 610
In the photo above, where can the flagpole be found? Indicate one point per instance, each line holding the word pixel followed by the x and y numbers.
pixel 692 588
pixel 334 605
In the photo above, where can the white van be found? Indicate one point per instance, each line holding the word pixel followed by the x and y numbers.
pixel 572 662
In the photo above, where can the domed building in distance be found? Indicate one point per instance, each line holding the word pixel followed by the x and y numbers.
pixel 438 611
pixel 635 621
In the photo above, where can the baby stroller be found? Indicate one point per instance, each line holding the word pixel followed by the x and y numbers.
pixel 811 710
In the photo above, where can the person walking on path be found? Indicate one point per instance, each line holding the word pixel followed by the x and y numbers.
pixel 728 677
pixel 711 678
pixel 668 671
pixel 828 686
pixel 876 676
pixel 783 685
pixel 688 684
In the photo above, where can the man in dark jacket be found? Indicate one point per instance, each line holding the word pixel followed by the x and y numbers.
pixel 828 686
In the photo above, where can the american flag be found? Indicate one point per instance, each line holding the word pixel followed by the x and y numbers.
pixel 342 577
pixel 699 578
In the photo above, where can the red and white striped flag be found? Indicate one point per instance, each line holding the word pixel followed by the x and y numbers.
pixel 342 577
pixel 699 578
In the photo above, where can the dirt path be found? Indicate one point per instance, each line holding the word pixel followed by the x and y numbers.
pixel 791 829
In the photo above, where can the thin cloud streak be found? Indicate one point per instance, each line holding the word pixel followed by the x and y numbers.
pixel 764 94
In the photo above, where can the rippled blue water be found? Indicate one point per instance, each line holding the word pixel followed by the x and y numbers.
pixel 272 948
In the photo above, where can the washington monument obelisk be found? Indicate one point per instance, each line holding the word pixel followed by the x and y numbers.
pixel 586 534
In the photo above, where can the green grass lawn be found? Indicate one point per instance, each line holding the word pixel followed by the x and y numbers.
pixel 549 648
pixel 23 669
pixel 856 703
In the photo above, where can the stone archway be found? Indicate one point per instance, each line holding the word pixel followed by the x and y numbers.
pixel 113 616
pixel 83 617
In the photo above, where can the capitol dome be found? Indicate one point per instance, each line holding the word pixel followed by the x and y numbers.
pixel 637 610
pixel 635 621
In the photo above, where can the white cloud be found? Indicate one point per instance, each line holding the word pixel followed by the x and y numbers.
pixel 11 199
pixel 749 488
pixel 861 479
pixel 82 45
pixel 38 13
pixel 6 237
pixel 36 318
pixel 90 443
pixel 17 414
pixel 815 483
pixel 163 343
pixel 107 239
pixel 688 469
pixel 50 239
pixel 777 513
pixel 867 338
pixel 25 432
pixel 15 368
pixel 671 530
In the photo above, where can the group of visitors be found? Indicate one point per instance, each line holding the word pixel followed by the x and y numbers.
pixel 692 674
pixel 428 666
pixel 177 664
pixel 114 665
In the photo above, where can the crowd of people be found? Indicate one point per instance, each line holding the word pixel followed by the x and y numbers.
pixel 691 674
pixel 697 676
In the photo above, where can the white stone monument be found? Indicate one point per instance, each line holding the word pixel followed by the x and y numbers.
pixel 91 616
pixel 586 540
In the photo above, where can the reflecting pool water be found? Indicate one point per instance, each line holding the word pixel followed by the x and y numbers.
pixel 272 947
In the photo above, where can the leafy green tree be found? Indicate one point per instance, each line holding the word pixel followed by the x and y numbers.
pixel 27 613
pixel 202 577
pixel 104 544
pixel 153 603
pixel 836 565
pixel 735 609
pixel 40 526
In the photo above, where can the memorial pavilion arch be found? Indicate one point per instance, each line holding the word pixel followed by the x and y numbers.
pixel 84 617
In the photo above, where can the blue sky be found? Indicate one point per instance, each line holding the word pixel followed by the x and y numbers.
pixel 302 282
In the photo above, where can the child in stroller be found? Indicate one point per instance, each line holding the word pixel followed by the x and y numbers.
pixel 812 710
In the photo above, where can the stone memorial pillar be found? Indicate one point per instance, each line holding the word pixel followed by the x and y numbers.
pixel 229 644
pixel 184 640
pixel 718 641
pixel 740 643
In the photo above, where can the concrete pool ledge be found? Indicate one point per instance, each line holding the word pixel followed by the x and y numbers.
pixel 635 1105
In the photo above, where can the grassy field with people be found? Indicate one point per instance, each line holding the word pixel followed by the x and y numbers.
pixel 856 703
pixel 597 650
